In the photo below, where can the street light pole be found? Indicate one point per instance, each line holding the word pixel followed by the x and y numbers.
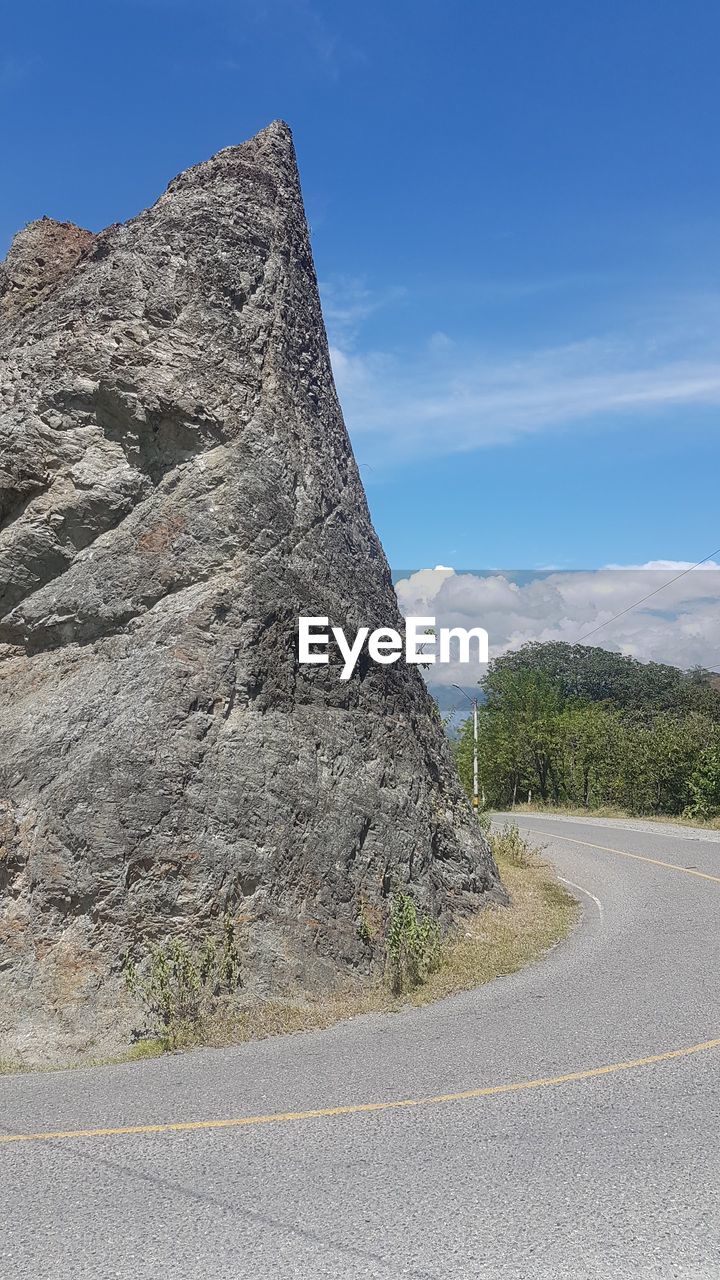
pixel 474 703
pixel 475 756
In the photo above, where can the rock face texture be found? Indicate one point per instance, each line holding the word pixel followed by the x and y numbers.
pixel 39 256
pixel 176 487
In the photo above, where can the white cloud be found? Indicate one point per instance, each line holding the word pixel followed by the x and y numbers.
pixel 440 341
pixel 444 396
pixel 680 625
pixel 418 592
pixel 347 303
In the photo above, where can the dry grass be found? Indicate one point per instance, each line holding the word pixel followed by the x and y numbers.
pixel 143 1049
pixel 613 811
pixel 497 941
pixel 8 1067
pixel 505 939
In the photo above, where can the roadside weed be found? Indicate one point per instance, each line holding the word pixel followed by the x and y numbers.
pixel 508 845
pixel 178 988
pixel 414 949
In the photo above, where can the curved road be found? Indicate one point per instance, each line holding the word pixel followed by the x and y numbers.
pixel 606 1174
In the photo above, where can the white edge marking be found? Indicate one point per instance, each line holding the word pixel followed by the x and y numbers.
pixel 588 894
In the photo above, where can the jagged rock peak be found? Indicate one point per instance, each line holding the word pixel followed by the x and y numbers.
pixel 176 487
pixel 40 255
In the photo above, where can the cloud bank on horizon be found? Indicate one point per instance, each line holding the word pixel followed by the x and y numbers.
pixel 680 625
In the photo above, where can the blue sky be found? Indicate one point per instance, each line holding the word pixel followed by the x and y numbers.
pixel 515 210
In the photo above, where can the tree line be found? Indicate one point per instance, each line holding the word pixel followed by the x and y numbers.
pixel 582 726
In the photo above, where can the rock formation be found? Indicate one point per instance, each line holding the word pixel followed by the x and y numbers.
pixel 176 487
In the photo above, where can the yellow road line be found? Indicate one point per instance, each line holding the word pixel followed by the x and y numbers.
pixel 638 857
pixel 239 1122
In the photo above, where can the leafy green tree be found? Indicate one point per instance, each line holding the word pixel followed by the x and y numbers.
pixel 589 727
pixel 502 764
pixel 518 730
pixel 673 745
pixel 589 733
pixel 704 785
pixel 593 674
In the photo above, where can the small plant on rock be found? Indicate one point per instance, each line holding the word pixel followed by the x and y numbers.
pixel 370 925
pixel 484 821
pixel 363 930
pixel 414 949
pixel 178 988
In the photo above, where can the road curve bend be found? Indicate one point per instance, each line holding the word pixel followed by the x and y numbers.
pixel 560 1124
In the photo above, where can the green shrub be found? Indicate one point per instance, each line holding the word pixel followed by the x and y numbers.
pixel 364 931
pixel 413 948
pixel 178 988
pixel 484 818
pixel 705 786
pixel 508 845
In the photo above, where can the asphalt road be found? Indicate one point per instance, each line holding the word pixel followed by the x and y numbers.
pixel 610 1174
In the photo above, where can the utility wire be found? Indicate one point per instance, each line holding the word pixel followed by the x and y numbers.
pixel 649 596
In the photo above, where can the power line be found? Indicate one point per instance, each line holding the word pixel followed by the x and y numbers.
pixel 649 596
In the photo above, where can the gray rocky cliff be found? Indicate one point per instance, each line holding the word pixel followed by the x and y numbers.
pixel 176 487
